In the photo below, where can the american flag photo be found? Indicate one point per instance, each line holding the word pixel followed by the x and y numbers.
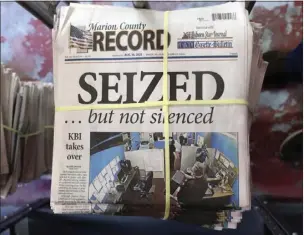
pixel 80 38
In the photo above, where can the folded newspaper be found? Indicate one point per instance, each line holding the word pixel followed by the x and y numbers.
pixel 27 118
pixel 153 111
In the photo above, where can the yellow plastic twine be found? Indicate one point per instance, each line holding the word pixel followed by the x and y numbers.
pixel 166 116
pixel 152 104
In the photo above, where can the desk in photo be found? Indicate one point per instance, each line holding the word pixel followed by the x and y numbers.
pixel 218 193
pixel 113 198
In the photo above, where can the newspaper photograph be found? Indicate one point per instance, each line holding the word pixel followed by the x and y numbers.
pixel 135 161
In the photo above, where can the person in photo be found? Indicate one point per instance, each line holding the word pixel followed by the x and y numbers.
pixel 175 154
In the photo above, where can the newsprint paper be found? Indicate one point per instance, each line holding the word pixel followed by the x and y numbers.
pixel 110 159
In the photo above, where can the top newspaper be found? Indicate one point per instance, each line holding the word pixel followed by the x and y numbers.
pixel 106 155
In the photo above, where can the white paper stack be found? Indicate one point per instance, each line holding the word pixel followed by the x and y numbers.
pixel 27 118
pixel 110 158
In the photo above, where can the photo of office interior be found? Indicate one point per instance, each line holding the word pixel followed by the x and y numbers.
pixel 122 176
pixel 128 168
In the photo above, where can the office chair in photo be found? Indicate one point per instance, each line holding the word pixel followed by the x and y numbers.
pixel 144 185
pixel 147 185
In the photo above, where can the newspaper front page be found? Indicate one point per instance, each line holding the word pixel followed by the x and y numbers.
pixel 109 158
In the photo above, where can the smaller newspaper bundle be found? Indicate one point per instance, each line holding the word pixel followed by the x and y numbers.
pixel 153 112
pixel 27 117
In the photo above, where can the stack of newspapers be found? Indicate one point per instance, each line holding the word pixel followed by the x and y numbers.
pixel 153 112
pixel 27 117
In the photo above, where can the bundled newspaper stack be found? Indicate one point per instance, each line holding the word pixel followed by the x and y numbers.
pixel 27 117
pixel 153 111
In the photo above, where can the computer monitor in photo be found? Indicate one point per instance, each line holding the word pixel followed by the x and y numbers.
pixel 120 175
pixel 125 166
